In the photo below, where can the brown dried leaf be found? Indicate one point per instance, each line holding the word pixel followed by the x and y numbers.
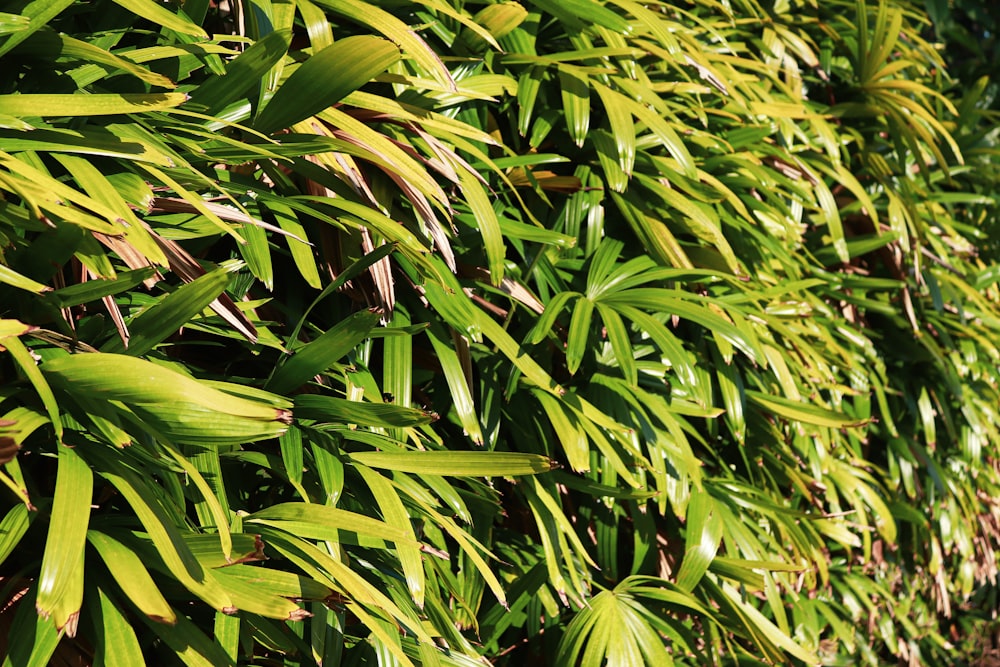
pixel 8 447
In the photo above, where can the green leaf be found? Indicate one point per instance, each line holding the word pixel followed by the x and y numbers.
pixel 579 334
pixel 165 535
pixel 329 409
pixel 584 12
pixel 323 567
pixel 701 542
pixel 10 277
pixel 177 406
pixel 117 645
pixel 256 252
pixel 621 125
pixel 132 576
pixel 210 510
pixel 568 430
pixel 528 86
pixel 396 32
pixel 471 548
pixel 190 644
pixel 301 252
pixel 614 630
pixel 733 397
pixel 321 522
pixel 394 513
pixel 39 13
pixel 76 48
pixel 242 73
pixel 227 634
pixel 397 366
pixel 12 528
pixel 87 143
pixel 208 549
pixel 575 87
pixel 831 215
pixel 37 378
pixel 486 219
pixel 456 463
pixel 60 582
pixel 607 155
pixel 653 234
pixel 621 344
pixel 44 193
pixel 355 269
pixel 40 104
pixel 173 311
pixel 768 629
pixel 32 638
pixel 489 24
pixel 291 454
pixel 703 222
pixel 987 277
pixel 256 595
pixel 311 88
pixel 93 290
pixel 151 11
pixel 664 133
pixel 13 23
pixel 454 373
pixel 317 356
pixel 803 412
pixel 279 582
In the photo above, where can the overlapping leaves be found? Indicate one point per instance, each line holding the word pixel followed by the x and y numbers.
pixel 319 289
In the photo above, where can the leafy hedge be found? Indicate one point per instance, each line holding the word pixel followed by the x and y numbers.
pixel 555 332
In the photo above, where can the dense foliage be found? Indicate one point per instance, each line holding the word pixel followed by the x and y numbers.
pixel 542 332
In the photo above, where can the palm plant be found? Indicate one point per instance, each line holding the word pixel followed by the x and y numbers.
pixel 569 332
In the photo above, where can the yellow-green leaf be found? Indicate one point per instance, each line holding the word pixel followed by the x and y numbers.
pixel 458 464
pixel 803 412
pixel 102 104
pixel 60 581
pixel 132 576
pixel 176 405
pixel 117 645
pixel 159 14
pixel 324 79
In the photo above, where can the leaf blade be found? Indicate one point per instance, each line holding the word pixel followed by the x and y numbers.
pixel 310 89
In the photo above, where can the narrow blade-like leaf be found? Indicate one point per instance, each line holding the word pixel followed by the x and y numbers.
pixel 60 582
pixel 324 79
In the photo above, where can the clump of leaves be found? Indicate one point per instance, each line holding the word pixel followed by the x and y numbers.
pixel 437 333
